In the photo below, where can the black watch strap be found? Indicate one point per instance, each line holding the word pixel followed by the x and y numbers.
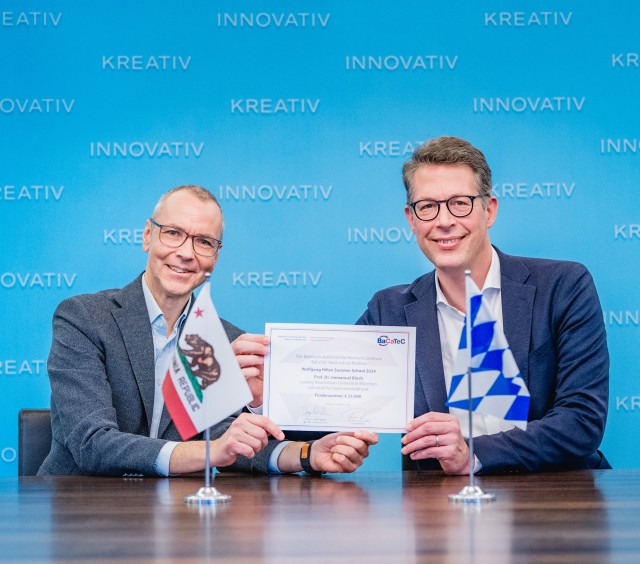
pixel 305 459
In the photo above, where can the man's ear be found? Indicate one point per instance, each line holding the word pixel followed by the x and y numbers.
pixel 411 219
pixel 492 211
pixel 146 236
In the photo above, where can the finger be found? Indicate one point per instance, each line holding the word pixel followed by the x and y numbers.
pixel 248 423
pixel 253 338
pixel 253 433
pixel 432 428
pixel 416 434
pixel 251 344
pixel 344 463
pixel 352 454
pixel 368 437
pixel 252 372
pixel 255 422
pixel 422 454
pixel 428 442
pixel 418 421
pixel 238 442
pixel 431 417
pixel 352 443
pixel 247 443
pixel 239 449
pixel 254 349
pixel 269 426
pixel 249 360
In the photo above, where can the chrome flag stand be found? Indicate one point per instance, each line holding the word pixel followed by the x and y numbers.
pixel 207 495
pixel 470 493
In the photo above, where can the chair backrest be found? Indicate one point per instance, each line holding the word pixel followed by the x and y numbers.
pixel 34 439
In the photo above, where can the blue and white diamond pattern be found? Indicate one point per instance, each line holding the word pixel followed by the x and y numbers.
pixel 497 386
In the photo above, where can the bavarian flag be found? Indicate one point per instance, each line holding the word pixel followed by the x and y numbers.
pixel 204 383
pixel 497 388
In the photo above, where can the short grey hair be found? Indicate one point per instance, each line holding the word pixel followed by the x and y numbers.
pixel 198 191
pixel 448 151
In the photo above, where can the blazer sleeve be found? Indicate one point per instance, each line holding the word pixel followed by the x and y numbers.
pixel 568 377
pixel 83 397
pixel 371 316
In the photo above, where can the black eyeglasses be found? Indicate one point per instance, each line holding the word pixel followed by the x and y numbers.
pixel 458 206
pixel 174 237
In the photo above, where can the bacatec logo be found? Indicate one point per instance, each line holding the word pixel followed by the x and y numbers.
pixel 383 341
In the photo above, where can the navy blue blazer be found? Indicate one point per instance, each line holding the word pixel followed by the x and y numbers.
pixel 554 325
pixel 101 369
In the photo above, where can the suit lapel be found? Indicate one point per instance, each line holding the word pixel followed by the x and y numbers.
pixel 165 419
pixel 517 309
pixel 422 315
pixel 517 313
pixel 132 319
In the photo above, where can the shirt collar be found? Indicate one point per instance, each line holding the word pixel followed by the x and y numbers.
pixel 491 281
pixel 153 309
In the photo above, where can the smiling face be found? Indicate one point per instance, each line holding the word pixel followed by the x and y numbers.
pixel 173 273
pixel 453 244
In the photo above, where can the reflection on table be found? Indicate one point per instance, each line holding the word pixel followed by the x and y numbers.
pixel 582 516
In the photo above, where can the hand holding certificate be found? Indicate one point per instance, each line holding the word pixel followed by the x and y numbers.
pixel 340 377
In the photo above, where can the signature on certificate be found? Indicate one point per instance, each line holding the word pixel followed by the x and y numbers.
pixel 312 413
pixel 359 415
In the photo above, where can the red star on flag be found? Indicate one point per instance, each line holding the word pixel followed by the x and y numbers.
pixel 199 312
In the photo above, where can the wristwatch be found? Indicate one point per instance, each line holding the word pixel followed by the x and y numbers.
pixel 305 459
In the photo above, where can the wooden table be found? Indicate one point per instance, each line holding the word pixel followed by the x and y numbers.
pixel 583 516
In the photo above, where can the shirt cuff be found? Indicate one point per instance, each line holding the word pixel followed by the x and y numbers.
pixel 273 459
pixel 256 410
pixel 161 465
pixel 477 465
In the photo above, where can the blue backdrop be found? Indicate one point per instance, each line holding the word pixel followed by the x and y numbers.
pixel 298 115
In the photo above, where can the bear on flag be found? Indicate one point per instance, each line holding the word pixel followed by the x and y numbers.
pixel 497 386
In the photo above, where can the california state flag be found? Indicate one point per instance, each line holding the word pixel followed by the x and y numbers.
pixel 204 383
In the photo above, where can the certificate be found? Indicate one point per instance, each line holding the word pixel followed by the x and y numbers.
pixel 340 377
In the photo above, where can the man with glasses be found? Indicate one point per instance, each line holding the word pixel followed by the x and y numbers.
pixel 110 354
pixel 549 309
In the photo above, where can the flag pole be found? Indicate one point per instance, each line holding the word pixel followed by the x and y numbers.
pixel 208 495
pixel 467 329
pixel 207 464
pixel 470 493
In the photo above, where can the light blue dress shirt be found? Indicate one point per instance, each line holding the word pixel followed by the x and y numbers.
pixel 163 348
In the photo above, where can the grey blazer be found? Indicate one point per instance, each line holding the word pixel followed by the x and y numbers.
pixel 101 369
pixel 553 323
